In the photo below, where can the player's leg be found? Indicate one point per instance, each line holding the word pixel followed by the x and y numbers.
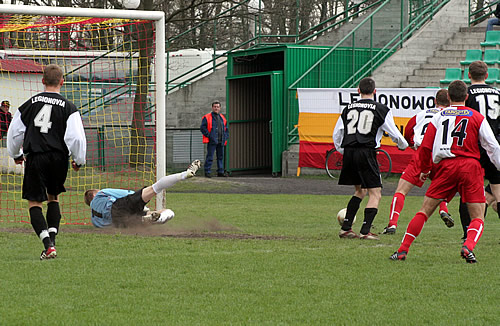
pixel 474 231
pixel 169 180
pixel 35 191
pixel 445 215
pixel 464 218
pixel 209 158
pixel 471 189
pixel 349 175
pixel 56 171
pixel 352 209
pixel 415 227
pixel 370 212
pixel 495 189
pixel 490 200
pixel 53 217
pixel 397 204
pixel 41 230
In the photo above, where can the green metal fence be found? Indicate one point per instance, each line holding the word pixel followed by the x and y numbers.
pixel 480 11
pixel 367 49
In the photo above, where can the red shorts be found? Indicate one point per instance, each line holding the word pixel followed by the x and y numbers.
pixel 412 172
pixel 462 175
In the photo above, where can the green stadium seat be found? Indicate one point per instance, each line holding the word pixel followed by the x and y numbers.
pixel 471 56
pixel 491 56
pixel 493 75
pixel 466 78
pixel 451 74
pixel 492 39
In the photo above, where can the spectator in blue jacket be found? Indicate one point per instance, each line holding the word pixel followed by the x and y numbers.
pixel 215 135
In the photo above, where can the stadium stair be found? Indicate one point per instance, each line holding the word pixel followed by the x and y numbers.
pixel 440 44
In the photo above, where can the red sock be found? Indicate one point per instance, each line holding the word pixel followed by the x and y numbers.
pixel 398 201
pixel 414 228
pixel 443 207
pixel 474 232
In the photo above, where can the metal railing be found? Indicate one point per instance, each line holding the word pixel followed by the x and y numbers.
pixel 377 51
pixel 478 15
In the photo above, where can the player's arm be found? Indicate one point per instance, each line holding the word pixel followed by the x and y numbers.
pixel 410 131
pixel 489 143
pixel 390 127
pixel 15 136
pixel 338 135
pixel 75 138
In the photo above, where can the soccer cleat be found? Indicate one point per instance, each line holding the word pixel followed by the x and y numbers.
pixel 447 219
pixel 389 230
pixel 165 216
pixel 369 236
pixel 349 234
pixel 468 255
pixel 49 253
pixel 193 168
pixel 398 255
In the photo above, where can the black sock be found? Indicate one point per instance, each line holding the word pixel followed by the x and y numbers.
pixel 369 217
pixel 352 209
pixel 464 217
pixel 498 211
pixel 40 225
pixel 53 220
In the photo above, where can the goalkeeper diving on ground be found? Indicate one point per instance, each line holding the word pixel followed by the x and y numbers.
pixel 127 208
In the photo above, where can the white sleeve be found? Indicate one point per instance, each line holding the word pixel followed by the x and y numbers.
pixel 75 138
pixel 390 127
pixel 489 143
pixel 338 135
pixel 15 136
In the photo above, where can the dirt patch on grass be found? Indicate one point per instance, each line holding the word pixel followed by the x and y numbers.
pixel 215 231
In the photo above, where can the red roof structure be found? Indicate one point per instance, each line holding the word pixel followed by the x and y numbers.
pixel 20 66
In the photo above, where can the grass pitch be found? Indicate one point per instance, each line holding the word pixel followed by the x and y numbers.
pixel 251 260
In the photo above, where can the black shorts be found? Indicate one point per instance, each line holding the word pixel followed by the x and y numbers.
pixel 128 210
pixel 360 167
pixel 44 173
pixel 490 171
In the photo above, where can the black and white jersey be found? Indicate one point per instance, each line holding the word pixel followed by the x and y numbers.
pixel 486 99
pixel 47 122
pixel 363 123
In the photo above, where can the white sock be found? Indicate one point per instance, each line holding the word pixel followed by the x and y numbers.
pixel 168 181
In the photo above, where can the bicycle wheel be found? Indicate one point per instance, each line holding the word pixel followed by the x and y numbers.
pixel 333 163
pixel 384 163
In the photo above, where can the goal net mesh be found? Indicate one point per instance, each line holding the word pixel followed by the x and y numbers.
pixel 108 72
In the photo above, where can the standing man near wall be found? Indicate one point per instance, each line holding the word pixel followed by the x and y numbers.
pixel 215 135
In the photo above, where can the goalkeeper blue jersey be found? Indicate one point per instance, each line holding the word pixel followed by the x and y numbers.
pixel 101 205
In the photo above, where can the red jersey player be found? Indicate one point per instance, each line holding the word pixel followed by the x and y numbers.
pixel 414 133
pixel 451 143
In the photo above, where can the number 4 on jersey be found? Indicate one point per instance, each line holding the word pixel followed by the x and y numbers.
pixel 42 119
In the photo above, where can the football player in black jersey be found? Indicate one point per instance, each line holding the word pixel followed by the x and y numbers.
pixel 485 99
pixel 44 132
pixel 356 135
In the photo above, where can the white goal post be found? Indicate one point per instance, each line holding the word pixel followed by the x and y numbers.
pixel 158 78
